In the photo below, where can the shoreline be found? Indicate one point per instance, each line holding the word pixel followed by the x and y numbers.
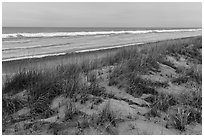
pixel 74 52
pixel 86 50
pixel 13 66
pixel 83 43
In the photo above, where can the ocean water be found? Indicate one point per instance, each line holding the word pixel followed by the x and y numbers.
pixel 29 42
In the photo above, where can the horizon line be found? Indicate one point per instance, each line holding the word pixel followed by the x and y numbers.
pixel 89 27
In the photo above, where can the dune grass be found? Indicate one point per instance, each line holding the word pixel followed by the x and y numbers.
pixel 43 85
pixel 147 60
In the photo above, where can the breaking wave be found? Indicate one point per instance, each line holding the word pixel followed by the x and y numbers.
pixel 67 34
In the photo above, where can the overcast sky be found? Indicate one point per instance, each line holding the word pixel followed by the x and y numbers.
pixel 102 14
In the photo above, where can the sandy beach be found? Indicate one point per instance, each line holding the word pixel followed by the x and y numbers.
pixel 65 56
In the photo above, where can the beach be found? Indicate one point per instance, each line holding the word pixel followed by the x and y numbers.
pixel 102 68
pixel 136 89
pixel 45 52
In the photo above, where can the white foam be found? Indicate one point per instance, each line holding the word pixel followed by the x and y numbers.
pixel 66 34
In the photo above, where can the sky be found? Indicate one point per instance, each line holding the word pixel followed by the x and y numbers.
pixel 58 14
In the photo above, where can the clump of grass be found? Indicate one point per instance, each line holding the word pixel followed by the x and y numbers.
pixel 142 64
pixel 195 75
pixel 179 119
pixel 162 102
pixel 106 117
pixel 92 77
pixel 43 93
pixel 192 98
pixel 93 88
pixel 40 107
pixel 96 90
pixel 21 80
pixel 11 105
pixel 191 74
pixel 139 86
pixel 151 62
pixel 118 74
pixel 183 115
pixel 71 112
